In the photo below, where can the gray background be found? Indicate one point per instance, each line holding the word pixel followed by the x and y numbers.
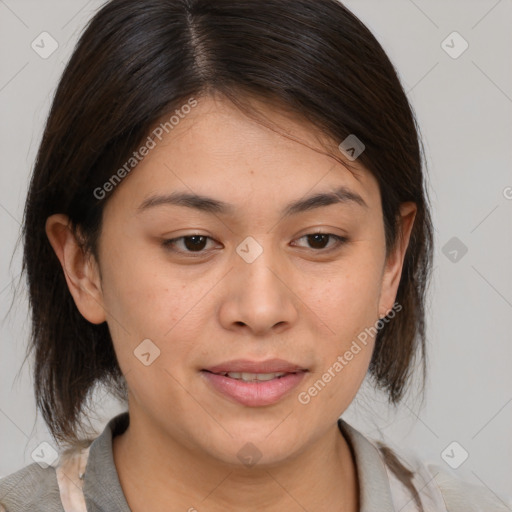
pixel 464 108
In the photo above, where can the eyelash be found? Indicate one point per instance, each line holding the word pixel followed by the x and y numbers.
pixel 168 244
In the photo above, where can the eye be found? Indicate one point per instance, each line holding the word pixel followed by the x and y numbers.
pixel 319 240
pixel 191 243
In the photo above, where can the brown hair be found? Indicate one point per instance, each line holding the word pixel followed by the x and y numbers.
pixel 401 471
pixel 138 60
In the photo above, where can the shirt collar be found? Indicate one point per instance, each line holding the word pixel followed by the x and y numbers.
pixel 374 489
pixel 102 487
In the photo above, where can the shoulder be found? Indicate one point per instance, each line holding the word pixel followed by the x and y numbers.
pixel 437 487
pixel 32 488
pixel 461 495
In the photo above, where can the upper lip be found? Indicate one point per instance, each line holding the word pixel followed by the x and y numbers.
pixel 248 366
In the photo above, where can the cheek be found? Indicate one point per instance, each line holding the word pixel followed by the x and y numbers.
pixel 346 303
pixel 150 299
pixel 139 289
pixel 347 300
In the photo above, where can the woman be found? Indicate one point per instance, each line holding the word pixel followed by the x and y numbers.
pixel 227 225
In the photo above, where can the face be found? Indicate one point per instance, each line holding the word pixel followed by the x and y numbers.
pixel 204 285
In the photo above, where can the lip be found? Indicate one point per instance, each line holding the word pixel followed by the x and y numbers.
pixel 254 394
pixel 248 366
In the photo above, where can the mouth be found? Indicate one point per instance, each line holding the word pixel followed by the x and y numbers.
pixel 269 366
pixel 253 377
pixel 252 383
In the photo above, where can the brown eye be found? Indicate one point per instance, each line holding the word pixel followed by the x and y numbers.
pixel 191 243
pixel 319 241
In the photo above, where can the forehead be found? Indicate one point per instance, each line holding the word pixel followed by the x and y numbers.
pixel 216 151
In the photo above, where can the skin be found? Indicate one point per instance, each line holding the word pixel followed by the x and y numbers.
pixel 298 301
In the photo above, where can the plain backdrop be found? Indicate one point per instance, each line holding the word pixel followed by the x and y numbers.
pixel 463 102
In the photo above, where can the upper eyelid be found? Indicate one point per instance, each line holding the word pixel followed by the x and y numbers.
pixel 309 233
pixel 340 239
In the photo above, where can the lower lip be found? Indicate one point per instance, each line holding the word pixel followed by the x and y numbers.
pixel 254 394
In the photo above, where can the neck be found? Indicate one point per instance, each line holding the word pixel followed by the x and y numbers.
pixel 163 472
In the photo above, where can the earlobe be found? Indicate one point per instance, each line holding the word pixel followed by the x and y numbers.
pixel 394 263
pixel 80 269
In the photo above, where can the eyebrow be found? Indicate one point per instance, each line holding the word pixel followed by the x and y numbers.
pixel 342 195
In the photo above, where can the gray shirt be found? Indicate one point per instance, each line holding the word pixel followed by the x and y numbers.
pixel 35 489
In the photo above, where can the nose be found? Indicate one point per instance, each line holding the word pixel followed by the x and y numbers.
pixel 259 296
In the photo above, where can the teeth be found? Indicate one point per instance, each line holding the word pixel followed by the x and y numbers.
pixel 249 377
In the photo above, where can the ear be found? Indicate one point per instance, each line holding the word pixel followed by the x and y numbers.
pixel 80 270
pixel 393 266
